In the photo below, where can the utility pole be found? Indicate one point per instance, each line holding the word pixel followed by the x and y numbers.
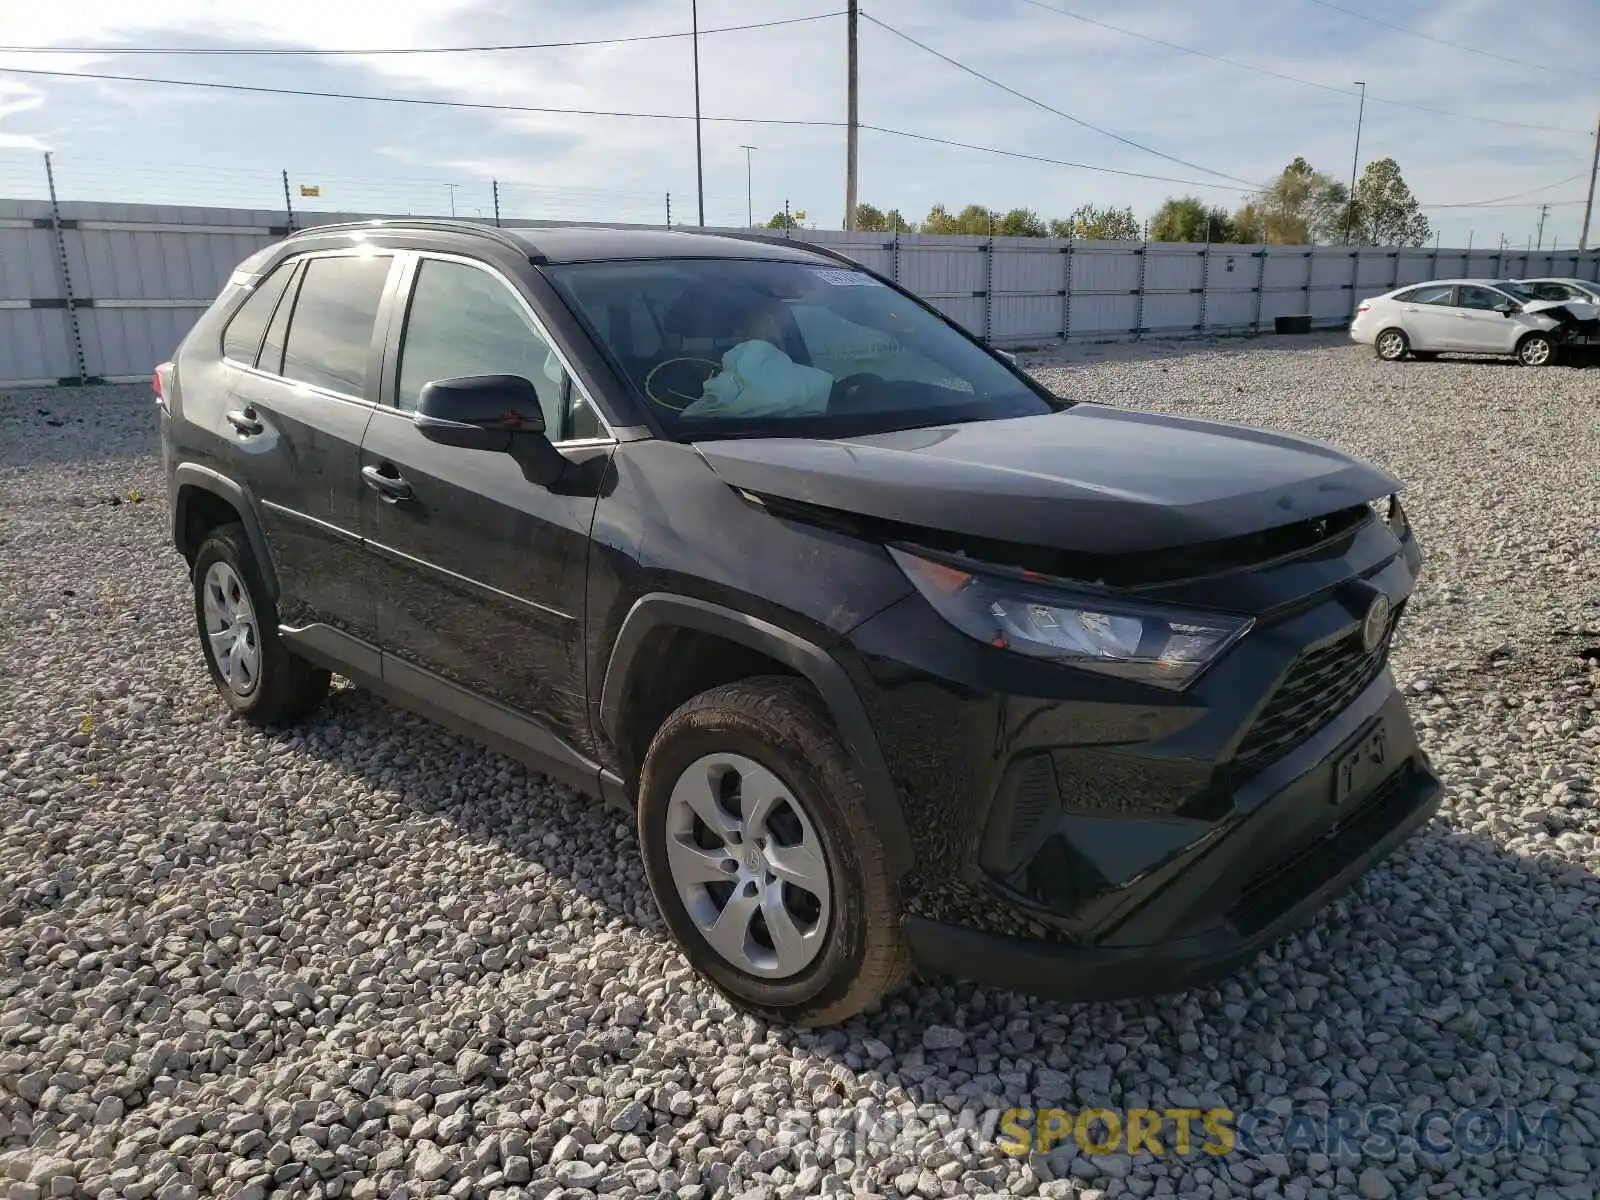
pixel 749 209
pixel 852 130
pixel 1355 161
pixel 452 187
pixel 1588 207
pixel 1544 211
pixel 699 160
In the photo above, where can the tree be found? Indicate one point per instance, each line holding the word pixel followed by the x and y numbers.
pixel 1105 224
pixel 1187 219
pixel 939 220
pixel 1301 206
pixel 1021 222
pixel 783 220
pixel 870 217
pixel 1385 211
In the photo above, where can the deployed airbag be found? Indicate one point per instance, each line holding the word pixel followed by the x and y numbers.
pixel 759 380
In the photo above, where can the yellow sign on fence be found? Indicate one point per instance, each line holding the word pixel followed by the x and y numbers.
pixel 310 189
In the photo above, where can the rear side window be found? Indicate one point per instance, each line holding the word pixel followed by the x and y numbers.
pixel 330 333
pixel 242 338
pixel 1426 295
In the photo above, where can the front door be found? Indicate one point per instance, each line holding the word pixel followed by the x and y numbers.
pixel 1481 326
pixel 298 408
pixel 479 573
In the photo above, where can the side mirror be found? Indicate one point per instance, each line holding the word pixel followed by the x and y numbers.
pixel 1505 308
pixel 479 412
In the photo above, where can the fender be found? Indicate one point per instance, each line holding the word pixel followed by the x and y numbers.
pixel 657 609
pixel 188 478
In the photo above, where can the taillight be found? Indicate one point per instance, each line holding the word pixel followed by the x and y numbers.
pixel 1363 307
pixel 155 384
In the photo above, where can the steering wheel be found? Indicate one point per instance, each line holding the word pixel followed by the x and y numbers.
pixel 847 392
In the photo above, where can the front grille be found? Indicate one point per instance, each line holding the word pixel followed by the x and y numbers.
pixel 1272 892
pixel 1319 686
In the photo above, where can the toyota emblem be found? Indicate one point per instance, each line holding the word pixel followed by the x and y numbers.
pixel 1376 624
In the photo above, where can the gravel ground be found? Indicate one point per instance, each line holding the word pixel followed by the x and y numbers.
pixel 366 959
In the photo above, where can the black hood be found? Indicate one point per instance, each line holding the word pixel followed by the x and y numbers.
pixel 1088 480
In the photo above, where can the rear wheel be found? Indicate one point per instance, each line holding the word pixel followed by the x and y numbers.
pixel 1536 350
pixel 1391 345
pixel 255 673
pixel 762 858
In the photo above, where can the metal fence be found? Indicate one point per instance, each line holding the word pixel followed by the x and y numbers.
pixel 102 292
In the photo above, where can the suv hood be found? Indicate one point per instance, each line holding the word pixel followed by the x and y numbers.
pixel 1089 479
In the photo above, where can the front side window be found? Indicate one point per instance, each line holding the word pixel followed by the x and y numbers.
pixel 330 333
pixel 463 321
pixel 242 338
pixel 734 347
pixel 1481 298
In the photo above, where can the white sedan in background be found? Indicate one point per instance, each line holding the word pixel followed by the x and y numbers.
pixel 1584 291
pixel 1472 316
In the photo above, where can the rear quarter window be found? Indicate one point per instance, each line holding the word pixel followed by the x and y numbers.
pixel 241 340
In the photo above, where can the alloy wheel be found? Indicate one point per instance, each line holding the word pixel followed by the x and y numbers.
pixel 1535 352
pixel 748 865
pixel 231 628
pixel 1391 344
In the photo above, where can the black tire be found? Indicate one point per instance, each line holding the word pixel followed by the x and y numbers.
pixel 1536 350
pixel 286 687
pixel 780 724
pixel 1384 345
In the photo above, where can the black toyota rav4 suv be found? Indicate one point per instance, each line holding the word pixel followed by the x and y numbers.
pixel 897 657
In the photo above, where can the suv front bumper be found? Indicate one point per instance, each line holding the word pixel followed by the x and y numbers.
pixel 1290 895
pixel 1081 836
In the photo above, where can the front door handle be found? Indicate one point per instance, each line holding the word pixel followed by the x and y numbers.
pixel 387 482
pixel 245 421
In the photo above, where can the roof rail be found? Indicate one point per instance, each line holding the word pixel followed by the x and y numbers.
pixel 800 243
pixel 436 224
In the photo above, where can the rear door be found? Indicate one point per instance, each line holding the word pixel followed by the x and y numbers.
pixel 1426 316
pixel 480 574
pixel 298 412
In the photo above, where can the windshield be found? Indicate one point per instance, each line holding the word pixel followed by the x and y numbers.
pixel 1516 291
pixel 742 348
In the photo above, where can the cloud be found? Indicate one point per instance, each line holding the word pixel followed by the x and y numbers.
pixel 1233 121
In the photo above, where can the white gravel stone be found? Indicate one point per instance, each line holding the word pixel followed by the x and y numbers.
pixel 366 958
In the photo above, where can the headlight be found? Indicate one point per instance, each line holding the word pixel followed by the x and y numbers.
pixel 1148 643
pixel 1389 511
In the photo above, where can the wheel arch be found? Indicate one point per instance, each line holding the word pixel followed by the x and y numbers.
pixel 656 611
pixel 197 494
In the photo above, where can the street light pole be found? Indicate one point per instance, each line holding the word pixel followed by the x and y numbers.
pixel 1355 161
pixel 699 159
pixel 749 209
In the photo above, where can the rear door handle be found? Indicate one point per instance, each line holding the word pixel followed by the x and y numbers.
pixel 387 483
pixel 245 421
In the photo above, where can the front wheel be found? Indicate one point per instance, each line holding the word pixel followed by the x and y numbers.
pixel 1536 350
pixel 762 858
pixel 1391 345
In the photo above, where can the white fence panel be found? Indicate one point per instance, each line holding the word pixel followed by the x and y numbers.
pixel 141 274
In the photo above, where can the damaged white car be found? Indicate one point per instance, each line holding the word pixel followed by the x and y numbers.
pixel 1474 316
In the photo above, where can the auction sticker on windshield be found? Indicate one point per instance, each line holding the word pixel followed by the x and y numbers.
pixel 841 277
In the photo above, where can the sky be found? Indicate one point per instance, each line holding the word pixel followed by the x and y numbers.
pixel 1523 127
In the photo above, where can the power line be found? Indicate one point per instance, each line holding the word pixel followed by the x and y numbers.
pixel 1439 41
pixel 1037 103
pixel 315 52
pixel 1287 78
pixel 1040 158
pixel 466 104
pixel 1516 195
pixel 427 102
